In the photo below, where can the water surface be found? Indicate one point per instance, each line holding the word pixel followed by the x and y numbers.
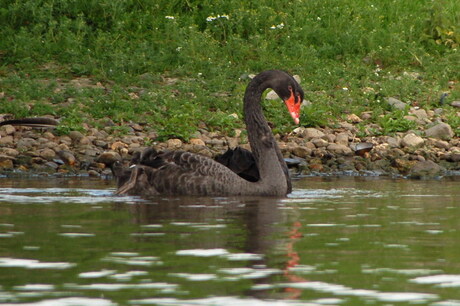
pixel 348 241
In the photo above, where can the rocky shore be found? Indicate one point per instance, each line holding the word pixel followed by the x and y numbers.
pixel 431 150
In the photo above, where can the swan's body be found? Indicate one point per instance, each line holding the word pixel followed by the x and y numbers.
pixel 184 173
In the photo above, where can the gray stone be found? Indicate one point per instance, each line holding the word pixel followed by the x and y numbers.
pixel 412 140
pixel 320 143
pixel 419 113
pixel 311 133
pixel 52 165
pixel 342 138
pixel 426 169
pixel 454 157
pixel 76 136
pixel 339 149
pixel 6 140
pixel 9 129
pixel 441 130
pixel 301 151
pixel 441 144
pixel 47 154
pixel 455 104
pixel 26 143
pixel 174 143
pixel 395 103
pixel 9 151
pixel 348 126
pixel 394 142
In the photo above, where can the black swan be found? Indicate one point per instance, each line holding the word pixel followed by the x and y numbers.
pixel 183 173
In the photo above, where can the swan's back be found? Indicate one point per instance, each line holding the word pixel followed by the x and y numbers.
pixel 177 173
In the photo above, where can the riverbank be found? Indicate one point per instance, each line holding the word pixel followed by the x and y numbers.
pixel 429 150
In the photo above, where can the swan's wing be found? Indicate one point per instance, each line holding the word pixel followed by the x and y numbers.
pixel 240 161
pixel 32 122
pixel 175 173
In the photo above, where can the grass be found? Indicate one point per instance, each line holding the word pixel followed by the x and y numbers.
pixel 180 65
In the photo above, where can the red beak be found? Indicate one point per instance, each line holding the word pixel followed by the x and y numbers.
pixel 293 107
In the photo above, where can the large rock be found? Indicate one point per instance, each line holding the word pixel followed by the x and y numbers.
pixel 9 129
pixel 6 140
pixel 455 104
pixel 76 136
pixel 47 154
pixel 425 170
pixel 174 144
pixel 339 149
pixel 320 143
pixel 419 113
pixel 412 140
pixel 395 103
pixel 197 141
pixel 342 139
pixel 26 143
pixel 311 133
pixel 441 130
pixel 301 151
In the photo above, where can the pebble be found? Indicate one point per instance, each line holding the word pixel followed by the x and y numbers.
pixel 311 133
pixel 301 151
pixel 319 143
pixel 197 141
pixel 6 140
pixel 321 149
pixel 412 140
pixel 8 129
pixel 342 139
pixel 47 154
pixel 76 135
pixel 441 130
pixel 397 104
pixel 67 157
pixel 426 170
pixel 340 149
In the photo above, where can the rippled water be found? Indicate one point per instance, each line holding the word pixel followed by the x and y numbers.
pixel 334 241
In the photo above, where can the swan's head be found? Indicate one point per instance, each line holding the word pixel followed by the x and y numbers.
pixel 294 101
pixel 290 92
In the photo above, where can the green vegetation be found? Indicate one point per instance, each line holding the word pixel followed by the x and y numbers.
pixel 180 65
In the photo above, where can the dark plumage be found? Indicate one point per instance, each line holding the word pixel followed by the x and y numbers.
pixel 32 122
pixel 240 161
pixel 237 172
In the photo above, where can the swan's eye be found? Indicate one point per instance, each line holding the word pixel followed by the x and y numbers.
pixel 290 88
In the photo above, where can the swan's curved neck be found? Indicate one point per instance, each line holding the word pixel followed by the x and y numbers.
pixel 268 157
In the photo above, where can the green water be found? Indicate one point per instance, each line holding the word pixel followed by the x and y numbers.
pixel 334 241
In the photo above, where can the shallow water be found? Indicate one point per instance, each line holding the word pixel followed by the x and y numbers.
pixel 347 241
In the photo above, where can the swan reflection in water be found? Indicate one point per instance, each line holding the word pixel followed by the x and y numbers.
pixel 250 225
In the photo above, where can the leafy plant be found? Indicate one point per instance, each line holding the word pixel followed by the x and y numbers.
pixel 395 122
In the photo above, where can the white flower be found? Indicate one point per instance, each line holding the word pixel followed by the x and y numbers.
pixel 212 18
pixel 178 49
pixel 170 17
pixel 279 26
